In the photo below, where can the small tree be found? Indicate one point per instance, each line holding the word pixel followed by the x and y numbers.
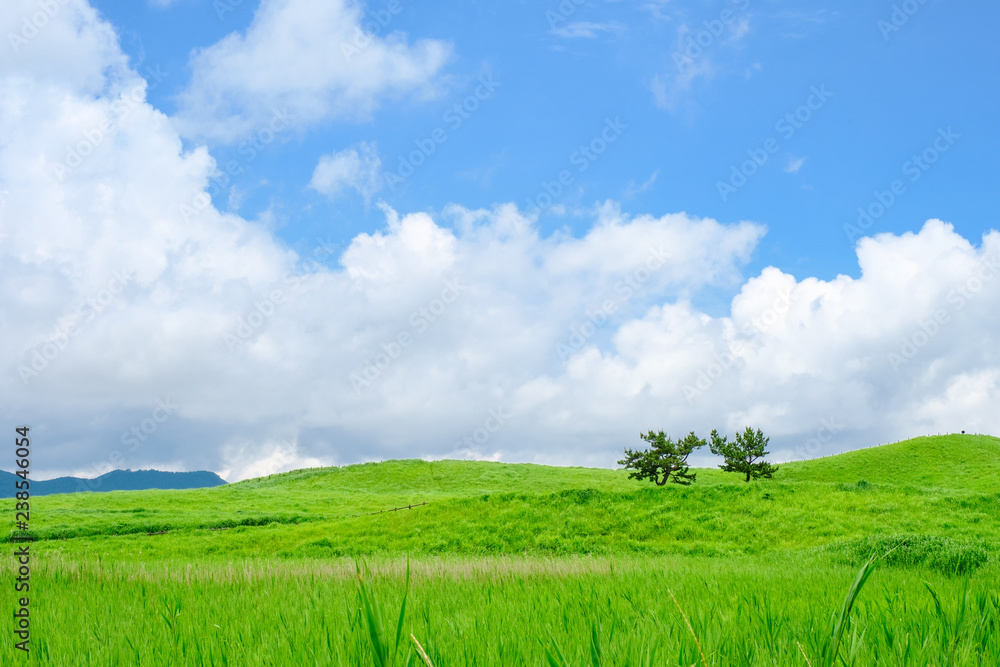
pixel 745 455
pixel 664 460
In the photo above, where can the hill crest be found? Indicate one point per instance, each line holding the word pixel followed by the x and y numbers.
pixel 966 462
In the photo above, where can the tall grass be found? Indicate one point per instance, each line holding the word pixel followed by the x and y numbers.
pixel 959 557
pixel 504 611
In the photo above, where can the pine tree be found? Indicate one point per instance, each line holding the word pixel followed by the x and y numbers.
pixel 664 461
pixel 745 455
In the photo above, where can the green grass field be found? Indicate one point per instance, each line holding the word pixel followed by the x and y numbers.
pixel 516 564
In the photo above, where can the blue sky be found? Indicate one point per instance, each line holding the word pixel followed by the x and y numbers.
pixel 328 232
pixel 892 88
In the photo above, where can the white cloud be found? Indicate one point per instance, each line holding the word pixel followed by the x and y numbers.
pixel 311 57
pixel 739 30
pixel 65 45
pixel 671 88
pixel 634 189
pixel 794 164
pixel 358 168
pixel 656 9
pixel 703 50
pixel 588 29
pixel 799 24
pixel 247 459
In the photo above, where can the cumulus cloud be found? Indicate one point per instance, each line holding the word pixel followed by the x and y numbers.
pixel 314 59
pixel 358 168
pixel 144 327
pixel 248 459
pixel 61 44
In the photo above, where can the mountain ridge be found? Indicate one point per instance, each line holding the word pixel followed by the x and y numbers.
pixel 116 480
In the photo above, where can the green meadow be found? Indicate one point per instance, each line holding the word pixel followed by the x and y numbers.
pixel 518 564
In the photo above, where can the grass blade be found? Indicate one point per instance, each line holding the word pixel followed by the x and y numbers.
pixel 595 647
pixel 422 652
pixel 562 661
pixel 402 611
pixel 803 651
pixel 690 629
pixel 845 611
pixel 375 628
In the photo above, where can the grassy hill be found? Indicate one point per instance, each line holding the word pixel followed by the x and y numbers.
pixel 939 486
pixel 962 462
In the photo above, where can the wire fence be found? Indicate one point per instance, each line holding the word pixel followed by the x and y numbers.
pixel 394 509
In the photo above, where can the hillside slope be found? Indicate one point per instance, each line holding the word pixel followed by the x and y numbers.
pixel 958 462
pixel 493 508
pixel 964 462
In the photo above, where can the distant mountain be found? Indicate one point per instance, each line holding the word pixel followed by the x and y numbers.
pixel 116 480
